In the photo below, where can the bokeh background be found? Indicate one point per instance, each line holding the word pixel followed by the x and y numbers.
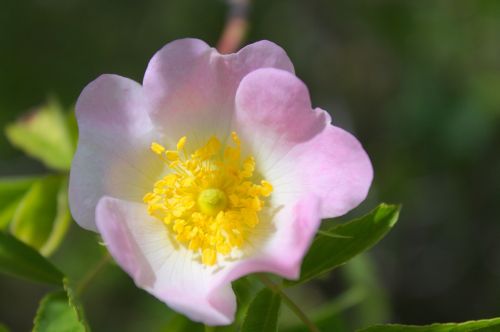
pixel 418 82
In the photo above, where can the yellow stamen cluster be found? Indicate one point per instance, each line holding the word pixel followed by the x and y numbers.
pixel 208 200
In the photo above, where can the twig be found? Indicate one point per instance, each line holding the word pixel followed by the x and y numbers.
pixel 84 282
pixel 236 26
pixel 294 307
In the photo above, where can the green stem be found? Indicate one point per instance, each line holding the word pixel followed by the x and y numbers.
pixel 209 328
pixel 294 307
pixel 85 281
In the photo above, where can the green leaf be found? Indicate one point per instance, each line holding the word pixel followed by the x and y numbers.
pixel 12 190
pixel 351 239
pixel 19 259
pixel 74 302
pixel 45 135
pixel 262 314
pixel 484 325
pixel 3 328
pixel 42 217
pixel 245 289
pixel 56 313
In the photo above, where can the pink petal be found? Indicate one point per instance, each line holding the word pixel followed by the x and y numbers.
pixel 282 253
pixel 143 247
pixel 296 148
pixel 192 86
pixel 113 156
pixel 276 102
pixel 273 114
pixel 333 166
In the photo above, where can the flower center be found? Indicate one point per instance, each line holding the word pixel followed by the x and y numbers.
pixel 208 200
pixel 211 201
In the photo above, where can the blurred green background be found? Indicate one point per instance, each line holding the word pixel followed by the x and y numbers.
pixel 418 82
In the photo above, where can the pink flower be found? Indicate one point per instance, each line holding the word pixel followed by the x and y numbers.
pixel 215 167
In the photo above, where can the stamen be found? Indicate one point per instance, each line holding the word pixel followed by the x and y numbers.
pixel 207 200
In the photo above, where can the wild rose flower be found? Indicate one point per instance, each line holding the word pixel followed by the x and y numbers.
pixel 216 167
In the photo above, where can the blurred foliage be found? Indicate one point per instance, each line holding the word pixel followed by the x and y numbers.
pixel 417 81
pixel 12 189
pixel 21 260
pixel 45 134
pixel 46 203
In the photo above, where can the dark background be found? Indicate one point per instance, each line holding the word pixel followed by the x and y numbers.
pixel 418 82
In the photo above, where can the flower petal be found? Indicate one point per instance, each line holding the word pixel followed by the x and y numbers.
pixel 296 147
pixel 294 228
pixel 113 156
pixel 274 113
pixel 142 245
pixel 192 86
pixel 334 166
pixel 278 103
